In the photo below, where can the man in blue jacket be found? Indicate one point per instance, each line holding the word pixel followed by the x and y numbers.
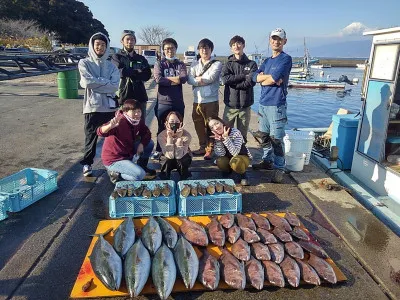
pixel 273 75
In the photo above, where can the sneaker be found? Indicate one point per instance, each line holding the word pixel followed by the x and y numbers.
pixel 114 176
pixel 245 180
pixel 87 170
pixel 263 165
pixel 208 154
pixel 156 155
pixel 199 152
pixel 215 162
pixel 278 176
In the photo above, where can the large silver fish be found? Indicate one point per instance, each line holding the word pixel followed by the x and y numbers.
pixel 106 264
pixel 232 270
pixel 233 234
pixel 294 250
pixel 151 235
pixel 300 234
pixel 209 271
pixel 292 219
pixel 163 271
pixel 255 273
pixel 291 271
pixel 261 221
pixel 241 250
pixel 227 220
pixel 170 237
pixel 266 237
pixel 323 269
pixel 137 266
pixel 124 237
pixel 194 232
pixel 313 248
pixel 273 273
pixel 282 234
pixel 277 221
pixel 308 273
pixel 277 252
pixel 260 251
pixel 215 232
pixel 249 235
pixel 187 261
pixel 245 222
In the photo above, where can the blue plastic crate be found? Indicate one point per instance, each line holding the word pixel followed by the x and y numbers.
pixel 28 186
pixel 4 207
pixel 141 206
pixel 218 203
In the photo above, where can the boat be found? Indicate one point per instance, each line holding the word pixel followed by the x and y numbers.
pixel 360 66
pixel 323 66
pixel 316 84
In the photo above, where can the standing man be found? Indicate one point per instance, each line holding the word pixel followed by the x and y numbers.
pixel 273 75
pixel 100 79
pixel 134 71
pixel 237 76
pixel 204 77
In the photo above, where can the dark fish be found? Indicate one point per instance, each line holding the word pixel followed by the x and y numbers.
pixel 233 233
pixel 194 232
pixel 282 234
pixel 308 273
pixel 294 250
pixel 278 221
pixel 300 234
pixel 151 235
pixel 129 191
pixel 232 270
pixel 146 192
pixel 124 237
pixel 210 188
pixel 170 237
pixel 227 220
pixel 185 190
pixel 114 195
pixel 166 190
pixel 228 188
pixel 260 251
pixel 249 235
pixel 245 222
pixel 291 271
pixel 323 269
pixel 139 190
pixel 313 248
pixel 187 262
pixel 219 187
pixel 277 252
pixel 163 271
pixel 273 273
pixel 121 192
pixel 156 191
pixel 266 237
pixel 201 189
pixel 254 273
pixel 193 190
pixel 260 221
pixel 87 285
pixel 209 271
pixel 292 219
pixel 216 233
pixel 241 250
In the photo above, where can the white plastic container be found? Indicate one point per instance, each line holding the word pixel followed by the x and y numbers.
pixel 299 141
pixel 295 161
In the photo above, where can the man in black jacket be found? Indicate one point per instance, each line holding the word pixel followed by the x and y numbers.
pixel 134 71
pixel 238 94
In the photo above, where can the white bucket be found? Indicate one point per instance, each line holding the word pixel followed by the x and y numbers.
pixel 295 161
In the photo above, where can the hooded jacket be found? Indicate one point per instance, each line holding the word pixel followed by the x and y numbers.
pixel 100 79
pixel 237 78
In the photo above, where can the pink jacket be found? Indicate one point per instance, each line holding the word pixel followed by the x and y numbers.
pixel 172 151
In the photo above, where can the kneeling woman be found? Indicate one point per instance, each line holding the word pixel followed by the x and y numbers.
pixel 126 135
pixel 174 142
pixel 230 148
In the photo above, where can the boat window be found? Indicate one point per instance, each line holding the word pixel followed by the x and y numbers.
pixel 384 62
pixel 149 53
pixel 190 53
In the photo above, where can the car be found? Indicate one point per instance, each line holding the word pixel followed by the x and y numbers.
pixel 151 56
pixel 189 57
pixel 80 50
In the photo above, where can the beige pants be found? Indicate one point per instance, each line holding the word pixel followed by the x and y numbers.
pixel 201 112
pixel 238 163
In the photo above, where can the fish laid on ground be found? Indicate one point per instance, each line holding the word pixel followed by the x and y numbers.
pixel 137 265
pixel 260 251
pixel 129 191
pixel 292 219
pixel 216 233
pixel 249 235
pixel 227 220
pixel 228 188
pixel 201 189
pixel 210 188
pixel 193 190
pixel 233 234
pixel 266 237
pixel 322 268
pixel 121 192
pixel 209 271
pixel 156 191
pixel 146 192
pixel 151 235
pixel 106 264
pixel 281 234
pixel 300 234
pixel 219 187
pixel 194 232
pixel 278 221
pixel 308 273
pixel 166 190
pixel 273 273
pixel 294 250
pixel 124 237
pixel 260 221
pixel 185 191
pixel 232 270
pixel 187 262
pixel 245 222
pixel 313 248
pixel 114 195
pixel 277 252
pixel 241 250
pixel 163 271
pixel 254 273
pixel 170 237
pixel 139 190
pixel 291 271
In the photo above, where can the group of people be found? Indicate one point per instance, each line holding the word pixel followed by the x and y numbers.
pixel 115 99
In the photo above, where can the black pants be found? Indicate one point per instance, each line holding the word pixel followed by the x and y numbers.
pixel 92 122
pixel 181 165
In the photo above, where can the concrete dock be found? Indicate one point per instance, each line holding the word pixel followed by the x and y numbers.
pixel 43 246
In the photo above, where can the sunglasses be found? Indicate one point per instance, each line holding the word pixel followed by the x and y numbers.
pixel 129 32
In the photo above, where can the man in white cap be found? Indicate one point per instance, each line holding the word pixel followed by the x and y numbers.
pixel 273 75
pixel 134 71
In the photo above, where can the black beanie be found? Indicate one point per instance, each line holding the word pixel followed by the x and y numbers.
pixel 99 36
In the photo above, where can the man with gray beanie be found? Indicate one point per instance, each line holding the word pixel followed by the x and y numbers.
pixel 134 71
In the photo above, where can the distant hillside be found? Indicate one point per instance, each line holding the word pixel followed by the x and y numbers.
pixel 352 49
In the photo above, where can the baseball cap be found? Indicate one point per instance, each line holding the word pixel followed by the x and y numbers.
pixel 127 32
pixel 278 32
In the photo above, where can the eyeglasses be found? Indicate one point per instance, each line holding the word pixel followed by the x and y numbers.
pixel 129 32
pixel 169 48
pixel 204 48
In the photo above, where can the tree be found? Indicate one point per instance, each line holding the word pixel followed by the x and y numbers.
pixel 153 35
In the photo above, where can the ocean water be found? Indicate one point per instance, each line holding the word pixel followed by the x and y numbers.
pixel 314 108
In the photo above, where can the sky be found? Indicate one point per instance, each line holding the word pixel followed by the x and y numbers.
pixel 319 22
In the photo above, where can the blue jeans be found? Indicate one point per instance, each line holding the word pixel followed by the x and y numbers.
pixel 272 122
pixel 130 170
